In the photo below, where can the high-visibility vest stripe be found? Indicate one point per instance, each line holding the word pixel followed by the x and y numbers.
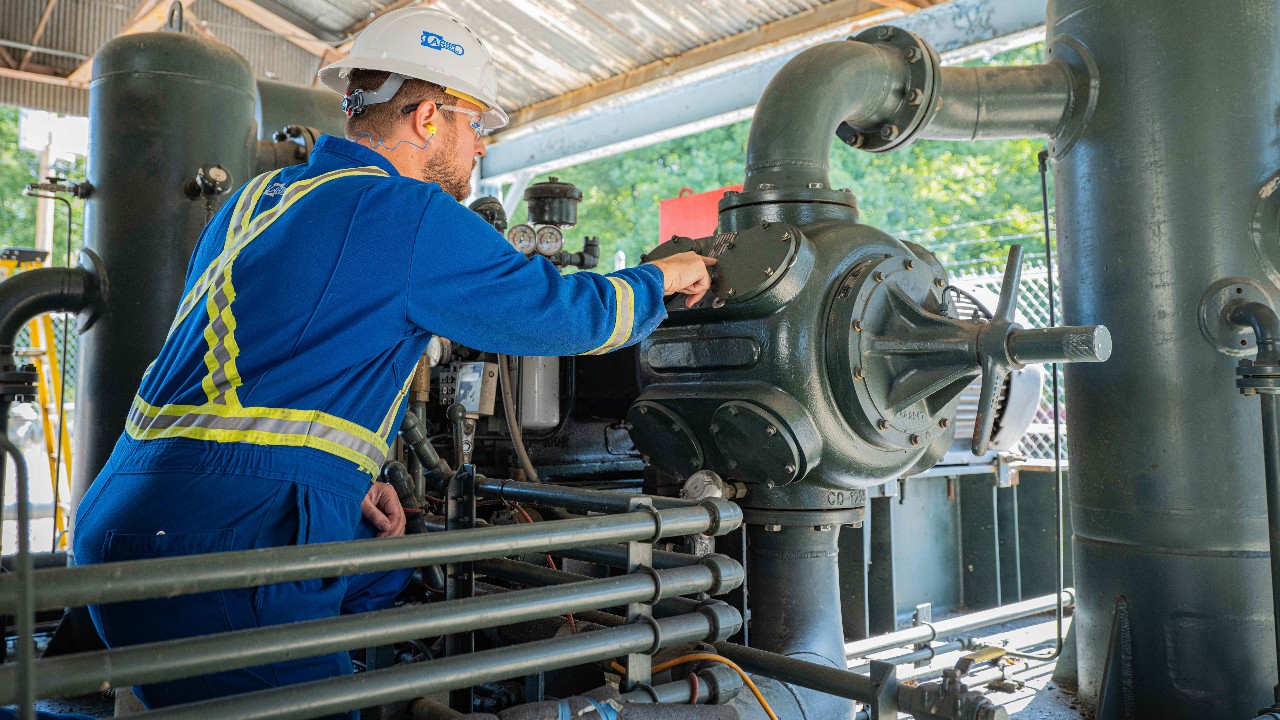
pixel 624 317
pixel 222 418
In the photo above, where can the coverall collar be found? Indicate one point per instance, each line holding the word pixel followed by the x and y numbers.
pixel 355 153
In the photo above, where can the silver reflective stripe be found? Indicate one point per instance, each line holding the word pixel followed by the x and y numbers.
pixel 274 426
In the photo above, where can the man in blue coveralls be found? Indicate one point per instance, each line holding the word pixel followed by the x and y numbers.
pixel 309 299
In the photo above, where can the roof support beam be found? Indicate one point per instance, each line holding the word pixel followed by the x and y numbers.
pixel 728 91
pixel 279 26
pixel 39 32
pixel 47 79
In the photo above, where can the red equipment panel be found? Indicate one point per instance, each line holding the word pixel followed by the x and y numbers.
pixel 690 214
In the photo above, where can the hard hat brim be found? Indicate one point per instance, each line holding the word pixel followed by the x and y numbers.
pixel 334 76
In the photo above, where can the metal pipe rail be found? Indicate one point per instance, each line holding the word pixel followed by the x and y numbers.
pixel 927 632
pixel 529 574
pixel 163 577
pixel 339 694
pixel 581 499
pixel 153 662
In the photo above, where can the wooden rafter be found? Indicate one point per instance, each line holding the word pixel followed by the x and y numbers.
pixel 906 5
pixel 39 32
pixel 7 59
pixel 279 26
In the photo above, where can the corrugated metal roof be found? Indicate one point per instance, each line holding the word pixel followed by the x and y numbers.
pixel 544 48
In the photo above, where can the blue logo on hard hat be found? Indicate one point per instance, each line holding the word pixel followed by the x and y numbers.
pixel 436 42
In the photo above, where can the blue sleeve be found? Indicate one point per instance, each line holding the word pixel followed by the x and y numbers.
pixel 468 284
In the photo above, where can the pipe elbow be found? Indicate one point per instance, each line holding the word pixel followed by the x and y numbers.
pixel 34 292
pixel 790 140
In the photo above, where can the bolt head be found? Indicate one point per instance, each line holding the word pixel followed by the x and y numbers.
pixel 939 283
pixel 733 410
pixel 909 264
pixel 882 424
pixel 733 464
pixel 913 54
pixel 675 428
pixel 823 528
pixel 878 277
pixel 768 271
pixel 786 237
pixel 857 373
pixel 915 439
pixel 729 292
pixel 815 185
pixel 773 528
pixel 885 33
pixel 789 469
pixel 890 132
pixel 644 410
pixel 765 225
pixel 693 462
pixel 771 430
pixel 915 98
pixel 944 423
pixel 714 428
pixel 857 326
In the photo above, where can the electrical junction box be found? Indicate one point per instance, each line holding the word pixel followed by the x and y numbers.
pixel 474 385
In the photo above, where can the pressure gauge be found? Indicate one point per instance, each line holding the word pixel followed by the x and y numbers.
pixel 523 238
pixel 550 240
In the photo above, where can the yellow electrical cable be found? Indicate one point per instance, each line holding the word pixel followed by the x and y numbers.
pixel 713 658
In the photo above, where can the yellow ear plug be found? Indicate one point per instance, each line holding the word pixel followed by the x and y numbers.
pixel 431 129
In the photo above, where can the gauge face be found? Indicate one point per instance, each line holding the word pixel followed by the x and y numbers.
pixel 550 240
pixel 522 238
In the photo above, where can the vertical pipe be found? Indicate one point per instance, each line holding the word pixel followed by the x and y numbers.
pixel 1154 205
pixel 795 606
pixel 161 105
pixel 1271 465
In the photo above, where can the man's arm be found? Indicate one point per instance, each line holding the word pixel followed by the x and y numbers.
pixel 468 284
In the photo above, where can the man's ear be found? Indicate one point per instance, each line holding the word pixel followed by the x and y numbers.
pixel 424 121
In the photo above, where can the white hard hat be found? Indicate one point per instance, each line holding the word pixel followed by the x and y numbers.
pixel 428 45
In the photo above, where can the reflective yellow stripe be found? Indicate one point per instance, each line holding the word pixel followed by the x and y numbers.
pixel 384 430
pixel 294 193
pixel 260 426
pixel 243 212
pixel 222 418
pixel 624 308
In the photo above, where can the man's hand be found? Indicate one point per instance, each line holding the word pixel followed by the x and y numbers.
pixel 382 508
pixel 686 273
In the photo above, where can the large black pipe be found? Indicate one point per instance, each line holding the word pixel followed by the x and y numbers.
pixel 795 601
pixel 35 292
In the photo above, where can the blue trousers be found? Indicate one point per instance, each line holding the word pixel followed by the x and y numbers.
pixel 130 515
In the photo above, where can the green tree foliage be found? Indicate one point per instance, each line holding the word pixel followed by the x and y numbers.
pixel 18 212
pixel 990 189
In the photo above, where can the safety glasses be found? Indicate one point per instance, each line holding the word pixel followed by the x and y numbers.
pixel 475 123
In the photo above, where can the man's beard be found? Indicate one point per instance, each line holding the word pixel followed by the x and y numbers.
pixel 452 176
